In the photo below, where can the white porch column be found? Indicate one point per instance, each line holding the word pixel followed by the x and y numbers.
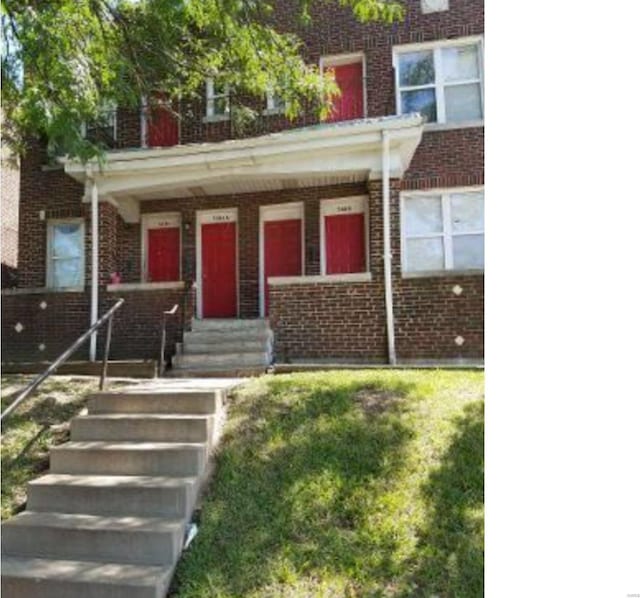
pixel 95 272
pixel 386 227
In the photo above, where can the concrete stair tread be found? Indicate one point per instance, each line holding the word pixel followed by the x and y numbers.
pixel 112 481
pixel 145 416
pixel 84 571
pixel 129 446
pixel 82 521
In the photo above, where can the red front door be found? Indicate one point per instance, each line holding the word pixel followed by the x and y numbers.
pixel 162 125
pixel 282 251
pixel 219 288
pixel 344 242
pixel 163 245
pixel 350 104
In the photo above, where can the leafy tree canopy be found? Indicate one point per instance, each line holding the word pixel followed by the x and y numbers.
pixel 61 59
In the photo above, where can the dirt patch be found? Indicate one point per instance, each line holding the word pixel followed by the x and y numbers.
pixel 374 401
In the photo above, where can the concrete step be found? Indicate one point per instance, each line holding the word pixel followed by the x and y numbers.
pixel 113 495
pixel 225 348
pixel 52 578
pixel 143 427
pixel 215 337
pixel 188 403
pixel 133 540
pixel 230 324
pixel 130 458
pixel 229 361
pixel 212 372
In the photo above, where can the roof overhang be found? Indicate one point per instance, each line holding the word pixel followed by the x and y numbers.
pixel 312 156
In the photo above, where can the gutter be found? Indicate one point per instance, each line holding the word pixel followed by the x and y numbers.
pixel 386 228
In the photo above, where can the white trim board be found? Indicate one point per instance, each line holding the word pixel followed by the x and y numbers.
pixel 212 217
pixel 270 213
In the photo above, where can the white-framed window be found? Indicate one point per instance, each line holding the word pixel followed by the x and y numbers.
pixel 442 230
pixel 440 80
pixel 275 104
pixel 217 100
pixel 429 6
pixel 65 253
pixel 105 127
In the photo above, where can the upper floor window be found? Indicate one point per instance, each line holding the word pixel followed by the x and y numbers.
pixel 434 5
pixel 275 104
pixel 442 81
pixel 104 127
pixel 217 100
pixel 443 231
pixel 348 71
pixel 65 253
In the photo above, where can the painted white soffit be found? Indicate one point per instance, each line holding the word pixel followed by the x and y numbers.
pixel 312 156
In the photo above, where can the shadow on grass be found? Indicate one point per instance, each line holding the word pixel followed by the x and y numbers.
pixel 27 435
pixel 450 553
pixel 291 496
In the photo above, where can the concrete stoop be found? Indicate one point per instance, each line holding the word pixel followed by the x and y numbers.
pixel 224 348
pixel 109 519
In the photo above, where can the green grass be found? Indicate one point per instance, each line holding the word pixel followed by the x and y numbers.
pixel 40 422
pixel 345 484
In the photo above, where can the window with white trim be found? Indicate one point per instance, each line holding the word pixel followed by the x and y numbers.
pixel 104 127
pixel 443 231
pixel 443 82
pixel 217 100
pixel 275 103
pixel 65 253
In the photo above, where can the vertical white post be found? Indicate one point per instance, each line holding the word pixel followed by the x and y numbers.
pixel 95 273
pixel 386 228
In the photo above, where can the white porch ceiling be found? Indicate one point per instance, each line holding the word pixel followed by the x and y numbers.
pixel 315 156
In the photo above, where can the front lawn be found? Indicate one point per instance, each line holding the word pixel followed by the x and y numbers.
pixel 40 422
pixel 365 483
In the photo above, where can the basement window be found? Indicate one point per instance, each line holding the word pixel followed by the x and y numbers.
pixel 65 253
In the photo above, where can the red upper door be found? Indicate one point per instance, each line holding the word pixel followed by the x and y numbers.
pixel 163 251
pixel 345 243
pixel 350 104
pixel 162 125
pixel 219 270
pixel 282 251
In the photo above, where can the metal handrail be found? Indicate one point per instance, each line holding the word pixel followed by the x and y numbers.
pixel 108 316
pixel 163 342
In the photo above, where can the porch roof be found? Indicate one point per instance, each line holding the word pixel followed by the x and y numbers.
pixel 308 157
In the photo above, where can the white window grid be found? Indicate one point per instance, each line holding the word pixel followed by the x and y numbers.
pixel 52 258
pixel 439 83
pixel 107 118
pixel 447 235
pixel 212 96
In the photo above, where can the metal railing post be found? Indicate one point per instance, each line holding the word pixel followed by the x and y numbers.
pixel 62 358
pixel 163 342
pixel 105 359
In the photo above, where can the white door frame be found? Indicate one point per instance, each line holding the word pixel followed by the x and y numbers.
pixel 357 204
pixel 282 211
pixel 213 217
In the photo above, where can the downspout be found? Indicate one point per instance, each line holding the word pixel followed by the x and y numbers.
pixel 386 228
pixel 95 245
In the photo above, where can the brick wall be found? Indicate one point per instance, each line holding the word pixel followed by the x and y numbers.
pixel 248 205
pixel 45 332
pixel 348 320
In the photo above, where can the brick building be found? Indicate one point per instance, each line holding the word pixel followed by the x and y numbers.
pixel 360 239
pixel 9 207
